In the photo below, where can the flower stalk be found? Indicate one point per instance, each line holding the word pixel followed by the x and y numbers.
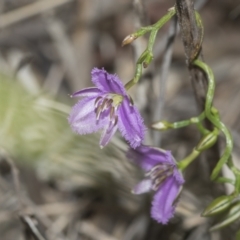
pixel 147 56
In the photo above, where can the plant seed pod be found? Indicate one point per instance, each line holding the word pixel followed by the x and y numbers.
pixel 208 141
pixel 232 215
pixel 217 206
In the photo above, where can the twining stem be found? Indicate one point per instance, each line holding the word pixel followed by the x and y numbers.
pixel 215 120
pixel 234 169
pixel 202 129
pixel 137 75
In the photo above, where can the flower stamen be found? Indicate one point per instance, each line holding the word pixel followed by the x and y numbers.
pixel 97 101
pixel 110 102
pixel 98 109
pixel 158 174
pixel 98 112
pixel 115 120
pixel 157 182
pixel 103 105
pixel 112 112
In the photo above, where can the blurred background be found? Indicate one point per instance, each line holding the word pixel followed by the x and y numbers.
pixel 57 185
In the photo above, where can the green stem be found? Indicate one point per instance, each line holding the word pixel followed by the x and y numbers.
pixel 143 30
pixel 164 125
pixel 137 75
pixel 206 142
pixel 147 55
pixel 187 122
pixel 215 120
pixel 194 120
pixel 202 129
pixel 187 160
pixel 152 39
pixel 234 169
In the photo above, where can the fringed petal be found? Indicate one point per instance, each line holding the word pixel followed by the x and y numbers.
pixel 131 123
pixel 107 82
pixel 142 187
pixel 107 134
pixel 83 118
pixel 148 157
pixel 163 204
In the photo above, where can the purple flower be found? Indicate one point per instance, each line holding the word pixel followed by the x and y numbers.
pixel 161 176
pixel 108 107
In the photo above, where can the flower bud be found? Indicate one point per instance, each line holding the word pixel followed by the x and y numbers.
pixel 218 205
pixel 163 125
pixel 207 141
pixel 128 39
pixel 232 215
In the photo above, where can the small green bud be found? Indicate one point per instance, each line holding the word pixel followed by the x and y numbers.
pixel 207 141
pixel 162 125
pixel 218 205
pixel 232 215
